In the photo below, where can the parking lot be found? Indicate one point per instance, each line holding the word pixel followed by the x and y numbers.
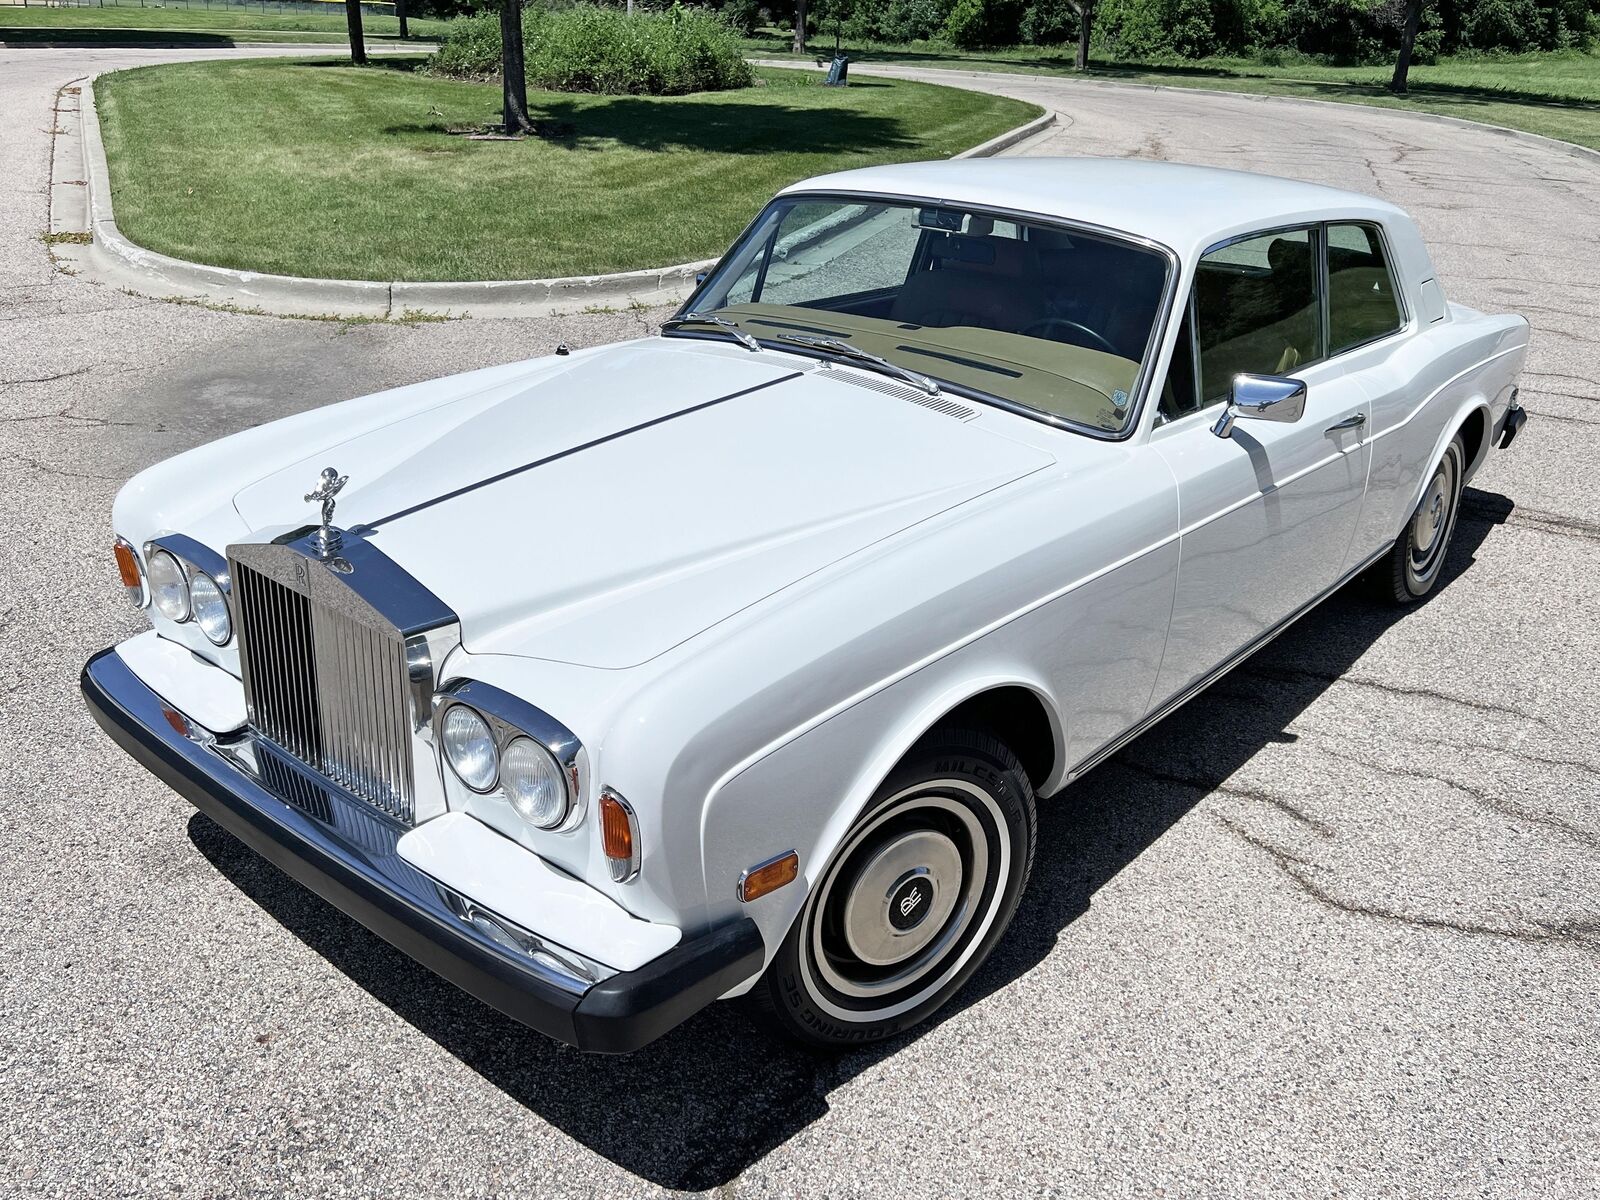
pixel 1331 928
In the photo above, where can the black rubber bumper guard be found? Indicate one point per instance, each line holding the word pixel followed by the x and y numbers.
pixel 1516 418
pixel 616 1015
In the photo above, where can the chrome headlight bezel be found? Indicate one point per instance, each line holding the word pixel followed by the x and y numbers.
pixel 194 560
pixel 509 718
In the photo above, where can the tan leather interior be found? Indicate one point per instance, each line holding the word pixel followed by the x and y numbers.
pixel 987 282
pixel 1361 304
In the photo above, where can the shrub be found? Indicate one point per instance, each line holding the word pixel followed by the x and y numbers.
pixel 588 49
pixel 977 24
pixel 470 47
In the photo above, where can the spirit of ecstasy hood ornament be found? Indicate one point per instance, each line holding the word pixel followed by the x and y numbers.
pixel 326 539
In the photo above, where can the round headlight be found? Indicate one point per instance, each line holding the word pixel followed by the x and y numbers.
pixel 169 590
pixel 469 748
pixel 534 783
pixel 210 609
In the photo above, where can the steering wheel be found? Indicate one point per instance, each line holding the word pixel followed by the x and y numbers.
pixel 1096 341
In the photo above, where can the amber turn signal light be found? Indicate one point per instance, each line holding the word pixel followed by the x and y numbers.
pixel 128 567
pixel 769 876
pixel 619 836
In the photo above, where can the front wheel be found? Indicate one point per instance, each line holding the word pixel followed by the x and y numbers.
pixel 917 895
pixel 1414 565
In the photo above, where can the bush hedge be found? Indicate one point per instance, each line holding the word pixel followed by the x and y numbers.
pixel 1338 31
pixel 590 49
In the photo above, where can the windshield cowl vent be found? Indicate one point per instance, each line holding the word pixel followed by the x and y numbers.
pixel 939 404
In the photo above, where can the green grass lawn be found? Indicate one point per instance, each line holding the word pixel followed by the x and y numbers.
pixel 1557 95
pixel 192 26
pixel 334 171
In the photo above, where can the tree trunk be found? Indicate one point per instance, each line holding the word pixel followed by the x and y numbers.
pixel 1080 62
pixel 513 75
pixel 358 41
pixel 400 12
pixel 799 26
pixel 1408 42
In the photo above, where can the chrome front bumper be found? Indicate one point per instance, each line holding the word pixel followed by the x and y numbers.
pixel 345 853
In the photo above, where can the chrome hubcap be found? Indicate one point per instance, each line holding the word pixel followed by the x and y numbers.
pixel 1430 518
pixel 1430 528
pixel 900 895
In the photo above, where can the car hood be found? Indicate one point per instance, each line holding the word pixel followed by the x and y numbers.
pixel 608 509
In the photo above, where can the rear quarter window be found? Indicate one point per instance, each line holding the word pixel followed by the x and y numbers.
pixel 1362 305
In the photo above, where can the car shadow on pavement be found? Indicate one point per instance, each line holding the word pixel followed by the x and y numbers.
pixel 695 1109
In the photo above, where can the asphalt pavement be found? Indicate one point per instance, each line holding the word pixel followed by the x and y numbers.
pixel 1331 929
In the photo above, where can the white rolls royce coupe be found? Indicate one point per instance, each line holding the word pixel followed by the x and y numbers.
pixel 732 660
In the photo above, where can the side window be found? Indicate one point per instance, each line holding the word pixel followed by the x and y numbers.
pixel 1256 309
pixel 1361 299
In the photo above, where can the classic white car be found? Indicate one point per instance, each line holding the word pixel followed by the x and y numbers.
pixel 732 660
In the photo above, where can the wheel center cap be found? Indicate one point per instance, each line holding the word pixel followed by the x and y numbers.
pixel 910 903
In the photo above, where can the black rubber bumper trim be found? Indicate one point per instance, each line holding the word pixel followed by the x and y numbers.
pixel 617 1015
pixel 1516 418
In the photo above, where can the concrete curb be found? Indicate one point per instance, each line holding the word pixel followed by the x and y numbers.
pixel 111 258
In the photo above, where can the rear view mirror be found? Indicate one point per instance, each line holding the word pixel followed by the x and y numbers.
pixel 948 219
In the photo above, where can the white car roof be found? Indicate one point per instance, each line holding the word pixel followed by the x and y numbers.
pixel 1187 208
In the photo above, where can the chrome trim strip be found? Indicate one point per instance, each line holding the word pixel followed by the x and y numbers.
pixel 1179 699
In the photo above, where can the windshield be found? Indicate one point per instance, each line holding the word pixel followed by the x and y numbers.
pixel 1054 318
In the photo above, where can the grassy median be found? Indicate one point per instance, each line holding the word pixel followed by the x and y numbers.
pixel 341 172
pixel 120 26
pixel 1554 94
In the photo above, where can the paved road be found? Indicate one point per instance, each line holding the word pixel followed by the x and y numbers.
pixel 1330 929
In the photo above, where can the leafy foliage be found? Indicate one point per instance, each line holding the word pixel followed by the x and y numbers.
pixel 1328 31
pixel 592 49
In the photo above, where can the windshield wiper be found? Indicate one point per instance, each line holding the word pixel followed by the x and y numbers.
pixel 739 335
pixel 865 357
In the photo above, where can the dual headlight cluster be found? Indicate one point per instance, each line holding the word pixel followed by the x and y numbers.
pixel 178 589
pixel 488 755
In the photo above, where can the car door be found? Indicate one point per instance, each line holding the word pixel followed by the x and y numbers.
pixel 1267 514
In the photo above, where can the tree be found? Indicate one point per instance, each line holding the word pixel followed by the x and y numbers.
pixel 358 41
pixel 1085 9
pixel 1408 42
pixel 513 73
pixel 799 26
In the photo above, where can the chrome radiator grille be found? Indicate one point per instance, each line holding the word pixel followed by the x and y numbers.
pixel 330 690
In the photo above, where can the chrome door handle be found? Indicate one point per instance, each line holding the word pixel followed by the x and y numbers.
pixel 1351 422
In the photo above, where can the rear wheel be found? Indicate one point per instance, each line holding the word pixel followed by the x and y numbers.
pixel 1415 563
pixel 917 895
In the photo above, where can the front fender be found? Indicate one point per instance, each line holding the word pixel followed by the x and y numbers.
pixel 805 793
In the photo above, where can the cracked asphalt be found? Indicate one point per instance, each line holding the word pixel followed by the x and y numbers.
pixel 1330 929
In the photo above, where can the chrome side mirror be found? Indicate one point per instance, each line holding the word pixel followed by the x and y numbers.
pixel 1261 398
